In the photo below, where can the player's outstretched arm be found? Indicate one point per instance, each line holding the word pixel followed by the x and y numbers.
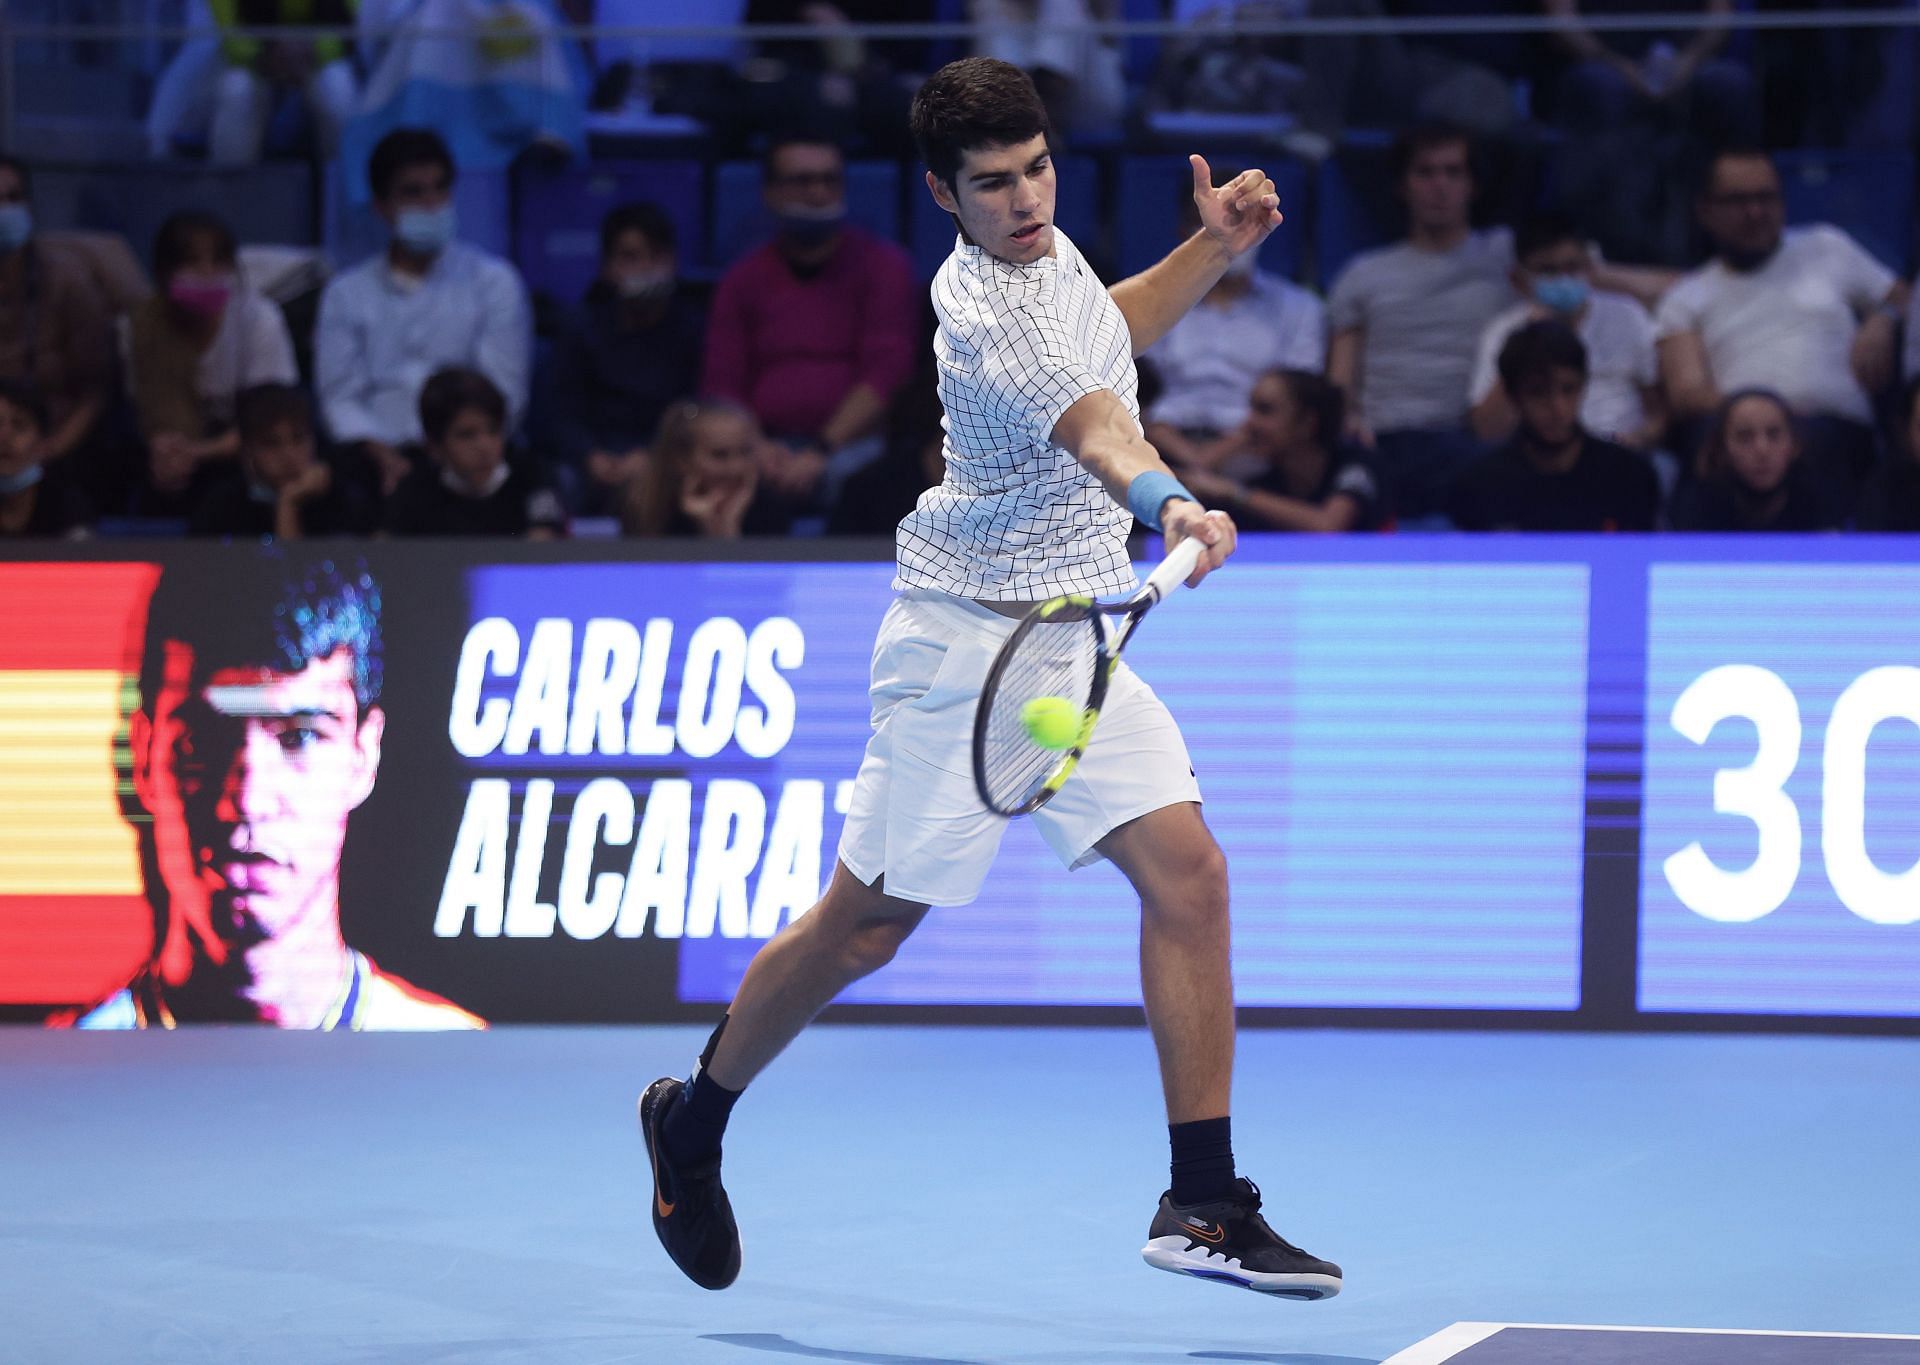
pixel 1234 219
pixel 1101 434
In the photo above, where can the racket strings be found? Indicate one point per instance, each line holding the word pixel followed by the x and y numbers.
pixel 1054 658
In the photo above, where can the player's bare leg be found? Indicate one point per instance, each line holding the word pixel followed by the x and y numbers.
pixel 853 930
pixel 1209 1224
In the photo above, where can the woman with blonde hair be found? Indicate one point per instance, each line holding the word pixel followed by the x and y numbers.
pixel 700 476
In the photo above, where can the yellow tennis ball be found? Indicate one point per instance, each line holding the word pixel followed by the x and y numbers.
pixel 1051 722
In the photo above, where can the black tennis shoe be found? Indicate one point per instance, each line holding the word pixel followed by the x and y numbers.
pixel 691 1215
pixel 1227 1240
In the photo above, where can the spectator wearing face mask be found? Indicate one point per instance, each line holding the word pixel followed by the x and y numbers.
pixel 814 332
pixel 1249 323
pixel 1751 475
pixel 428 302
pixel 35 504
pixel 1553 270
pixel 194 346
pixel 633 348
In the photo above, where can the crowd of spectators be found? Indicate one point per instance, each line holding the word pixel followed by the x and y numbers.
pixel 1481 378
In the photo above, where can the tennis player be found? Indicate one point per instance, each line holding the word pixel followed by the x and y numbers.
pixel 1047 469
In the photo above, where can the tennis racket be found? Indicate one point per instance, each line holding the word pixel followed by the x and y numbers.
pixel 1066 648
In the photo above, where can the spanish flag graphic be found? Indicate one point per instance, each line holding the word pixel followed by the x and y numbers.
pixel 74 921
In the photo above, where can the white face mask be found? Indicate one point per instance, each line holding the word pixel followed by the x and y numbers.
pixel 644 286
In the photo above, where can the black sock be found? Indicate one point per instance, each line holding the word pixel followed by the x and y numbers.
pixel 1202 1159
pixel 691 1130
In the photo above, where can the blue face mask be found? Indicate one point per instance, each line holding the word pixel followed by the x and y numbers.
pixel 426 231
pixel 16 225
pixel 1561 293
pixel 21 482
pixel 809 227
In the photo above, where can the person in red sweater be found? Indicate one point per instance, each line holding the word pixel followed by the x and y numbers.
pixel 814 331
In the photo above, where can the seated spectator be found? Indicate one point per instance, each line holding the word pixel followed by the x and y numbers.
pixel 1891 499
pixel 56 334
pixel 467 487
pixel 701 476
pixel 428 302
pixel 1553 475
pixel 280 488
pixel 1081 76
pixel 1801 313
pixel 1553 270
pixel 226 86
pixel 35 503
pixel 633 349
pixel 1404 318
pixel 872 501
pixel 1641 112
pixel 1751 476
pixel 813 332
pixel 1303 479
pixel 1247 324
pixel 195 345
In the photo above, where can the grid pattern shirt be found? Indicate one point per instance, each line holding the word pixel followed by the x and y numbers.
pixel 1017 518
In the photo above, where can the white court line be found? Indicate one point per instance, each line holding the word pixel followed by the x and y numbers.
pixel 1445 1344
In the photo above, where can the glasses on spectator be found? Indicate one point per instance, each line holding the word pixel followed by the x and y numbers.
pixel 807 180
pixel 1753 199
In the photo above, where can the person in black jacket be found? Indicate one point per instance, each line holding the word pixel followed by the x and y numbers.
pixel 1891 499
pixel 281 487
pixel 1750 475
pixel 36 501
pixel 1553 475
pixel 467 487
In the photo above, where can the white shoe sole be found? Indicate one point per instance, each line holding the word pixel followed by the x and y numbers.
pixel 1177 1255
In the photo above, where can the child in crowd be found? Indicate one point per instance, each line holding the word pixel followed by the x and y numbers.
pixel 35 503
pixel 280 488
pixel 1304 480
pixel 1750 476
pixel 701 476
pixel 467 487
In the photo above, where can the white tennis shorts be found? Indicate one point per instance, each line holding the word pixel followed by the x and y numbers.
pixel 915 815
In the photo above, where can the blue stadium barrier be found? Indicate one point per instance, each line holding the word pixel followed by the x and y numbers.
pixel 557 213
pixel 740 220
pixel 1147 210
pixel 1868 193
pixel 1076 208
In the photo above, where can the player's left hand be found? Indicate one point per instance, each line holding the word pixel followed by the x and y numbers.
pixel 1215 530
pixel 1239 215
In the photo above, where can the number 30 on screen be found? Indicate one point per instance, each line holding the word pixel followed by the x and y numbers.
pixel 1758 792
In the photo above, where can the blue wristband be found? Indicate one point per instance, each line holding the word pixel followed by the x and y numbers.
pixel 1149 492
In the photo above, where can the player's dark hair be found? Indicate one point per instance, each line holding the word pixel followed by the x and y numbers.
pixel 1544 230
pixel 404 148
pixel 454 390
pixel 275 610
pixel 972 103
pixel 19 168
pixel 178 235
pixel 649 220
pixel 1422 138
pixel 259 409
pixel 794 137
pixel 1317 394
pixel 1712 462
pixel 1535 351
pixel 25 395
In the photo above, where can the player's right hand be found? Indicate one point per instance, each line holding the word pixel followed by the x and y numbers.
pixel 1215 530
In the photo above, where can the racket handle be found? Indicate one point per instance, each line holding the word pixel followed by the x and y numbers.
pixel 1174 568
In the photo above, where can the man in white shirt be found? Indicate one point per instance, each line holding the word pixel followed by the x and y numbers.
pixel 427 303
pixel 1046 470
pixel 1404 319
pixel 1553 271
pixel 1248 324
pixel 1805 313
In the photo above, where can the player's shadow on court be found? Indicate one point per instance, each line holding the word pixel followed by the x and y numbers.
pixel 773 1341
